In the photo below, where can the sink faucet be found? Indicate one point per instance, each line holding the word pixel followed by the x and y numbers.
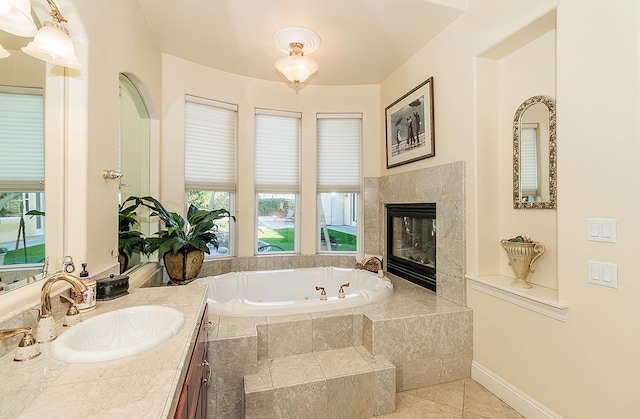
pixel 46 331
pixel 45 300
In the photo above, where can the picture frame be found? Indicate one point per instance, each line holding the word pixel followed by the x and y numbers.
pixel 410 134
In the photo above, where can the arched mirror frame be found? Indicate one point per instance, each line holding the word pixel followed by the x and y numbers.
pixel 517 119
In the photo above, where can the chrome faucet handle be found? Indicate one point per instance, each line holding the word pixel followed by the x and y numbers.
pixel 27 348
pixel 341 291
pixel 323 294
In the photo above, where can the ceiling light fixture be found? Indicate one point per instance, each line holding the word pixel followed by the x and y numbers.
pixel 3 52
pixel 15 18
pixel 297 67
pixel 52 42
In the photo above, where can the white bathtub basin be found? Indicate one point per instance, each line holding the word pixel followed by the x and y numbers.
pixel 117 334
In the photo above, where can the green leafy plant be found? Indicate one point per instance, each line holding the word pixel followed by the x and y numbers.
pixel 129 241
pixel 196 232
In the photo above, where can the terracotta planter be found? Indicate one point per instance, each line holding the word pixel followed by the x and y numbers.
pixel 522 256
pixel 183 267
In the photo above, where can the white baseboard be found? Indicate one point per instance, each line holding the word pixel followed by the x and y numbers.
pixel 523 403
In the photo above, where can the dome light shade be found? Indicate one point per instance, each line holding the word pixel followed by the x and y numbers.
pixel 15 18
pixel 297 68
pixel 53 45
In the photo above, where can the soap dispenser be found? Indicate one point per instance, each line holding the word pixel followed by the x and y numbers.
pixel 88 300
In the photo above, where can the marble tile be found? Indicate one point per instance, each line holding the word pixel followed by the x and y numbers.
pixel 411 407
pixel 450 220
pixel 260 405
pixel 289 335
pixel 455 333
pixel 230 404
pixel 479 401
pixel 332 332
pixel 263 340
pixel 138 401
pixel 367 333
pixel 418 373
pixel 384 390
pixel 230 327
pixel 340 362
pixel 295 369
pixel 358 325
pixel 232 360
pixel 307 401
pixel 450 394
pixel 259 381
pixel 350 396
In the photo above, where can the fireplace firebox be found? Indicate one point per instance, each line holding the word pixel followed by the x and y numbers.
pixel 411 242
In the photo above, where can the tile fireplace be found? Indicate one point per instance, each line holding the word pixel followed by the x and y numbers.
pixel 411 242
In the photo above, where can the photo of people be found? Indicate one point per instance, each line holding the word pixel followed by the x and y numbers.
pixel 410 131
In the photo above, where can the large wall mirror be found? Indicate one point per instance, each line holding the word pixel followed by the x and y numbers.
pixel 534 154
pixel 134 133
pixel 31 174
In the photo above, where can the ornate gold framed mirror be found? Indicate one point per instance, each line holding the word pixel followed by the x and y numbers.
pixel 534 154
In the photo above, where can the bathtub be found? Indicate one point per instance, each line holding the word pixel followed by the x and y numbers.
pixel 291 291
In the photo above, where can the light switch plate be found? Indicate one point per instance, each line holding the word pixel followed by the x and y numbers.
pixel 602 273
pixel 601 230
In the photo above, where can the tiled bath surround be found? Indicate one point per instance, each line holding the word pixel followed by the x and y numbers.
pixel 443 185
pixel 410 340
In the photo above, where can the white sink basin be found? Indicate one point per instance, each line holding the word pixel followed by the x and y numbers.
pixel 117 334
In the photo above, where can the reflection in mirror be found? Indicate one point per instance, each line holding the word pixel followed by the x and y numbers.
pixel 135 165
pixel 22 235
pixel 534 154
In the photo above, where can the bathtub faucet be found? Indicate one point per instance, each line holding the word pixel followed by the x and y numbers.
pixel 341 292
pixel 371 260
pixel 323 294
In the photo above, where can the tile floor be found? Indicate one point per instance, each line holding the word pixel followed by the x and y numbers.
pixel 462 399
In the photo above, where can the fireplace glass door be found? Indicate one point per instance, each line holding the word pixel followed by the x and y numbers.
pixel 411 242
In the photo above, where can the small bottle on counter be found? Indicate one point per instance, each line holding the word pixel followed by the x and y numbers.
pixel 88 300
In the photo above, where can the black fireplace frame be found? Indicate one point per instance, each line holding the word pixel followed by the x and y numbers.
pixel 419 274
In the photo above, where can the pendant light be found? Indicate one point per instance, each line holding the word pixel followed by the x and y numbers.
pixel 15 18
pixel 295 41
pixel 52 42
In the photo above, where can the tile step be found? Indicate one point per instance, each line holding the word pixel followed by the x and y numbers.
pixel 338 383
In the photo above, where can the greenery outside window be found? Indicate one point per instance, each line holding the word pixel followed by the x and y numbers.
pixel 339 173
pixel 22 175
pixel 210 162
pixel 277 174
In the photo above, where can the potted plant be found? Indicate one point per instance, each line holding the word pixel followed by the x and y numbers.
pixel 183 242
pixel 3 252
pixel 129 241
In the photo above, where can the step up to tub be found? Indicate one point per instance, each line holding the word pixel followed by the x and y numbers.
pixel 338 383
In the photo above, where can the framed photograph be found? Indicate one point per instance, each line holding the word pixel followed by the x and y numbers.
pixel 409 125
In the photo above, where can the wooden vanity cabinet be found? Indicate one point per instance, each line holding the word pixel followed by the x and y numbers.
pixel 192 402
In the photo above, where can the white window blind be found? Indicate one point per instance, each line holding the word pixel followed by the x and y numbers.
pixel 210 145
pixel 277 163
pixel 339 139
pixel 529 160
pixel 21 139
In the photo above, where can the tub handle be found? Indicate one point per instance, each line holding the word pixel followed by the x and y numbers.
pixel 341 291
pixel 323 294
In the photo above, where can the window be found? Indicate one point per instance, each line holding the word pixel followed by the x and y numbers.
pixel 210 162
pixel 529 160
pixel 277 175
pixel 339 139
pixel 21 175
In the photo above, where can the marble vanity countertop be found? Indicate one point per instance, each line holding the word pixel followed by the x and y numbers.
pixel 145 385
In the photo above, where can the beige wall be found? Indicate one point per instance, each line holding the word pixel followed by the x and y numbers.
pixel 585 367
pixel 181 77
pixel 109 42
